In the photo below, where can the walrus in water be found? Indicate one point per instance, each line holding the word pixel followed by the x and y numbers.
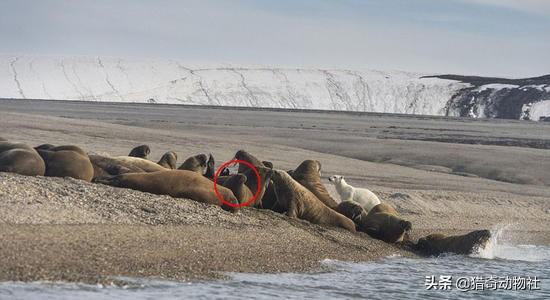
pixel 195 163
pixel 169 160
pixel 236 183
pixel 140 151
pixel 67 161
pixel 175 183
pixel 308 174
pixel 21 159
pixel 435 244
pixel 383 223
pixel 301 203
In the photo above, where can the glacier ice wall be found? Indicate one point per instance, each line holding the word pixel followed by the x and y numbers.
pixel 169 81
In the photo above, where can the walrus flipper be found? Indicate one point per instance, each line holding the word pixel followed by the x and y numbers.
pixel 210 167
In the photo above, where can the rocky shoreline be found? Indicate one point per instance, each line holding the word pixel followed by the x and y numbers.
pixel 70 230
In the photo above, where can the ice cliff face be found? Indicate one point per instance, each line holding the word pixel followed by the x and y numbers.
pixel 166 81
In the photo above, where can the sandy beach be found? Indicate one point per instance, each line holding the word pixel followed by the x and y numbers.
pixel 442 174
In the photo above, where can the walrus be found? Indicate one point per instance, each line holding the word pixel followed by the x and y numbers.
pixel 195 163
pixel 383 223
pixel 67 161
pixel 308 174
pixel 175 183
pixel 106 166
pixel 210 167
pixel 141 151
pixel 301 203
pixel 236 183
pixel 169 160
pixel 435 244
pixel 60 148
pixel 21 159
pixel 268 198
pixel 249 158
pixel 144 164
pixel 353 211
pixel 252 182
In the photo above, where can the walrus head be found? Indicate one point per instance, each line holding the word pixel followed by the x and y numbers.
pixel 249 158
pixel 351 210
pixel 169 160
pixel 195 163
pixel 141 151
pixel 308 168
pixel 267 164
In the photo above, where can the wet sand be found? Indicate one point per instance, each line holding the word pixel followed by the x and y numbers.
pixel 444 175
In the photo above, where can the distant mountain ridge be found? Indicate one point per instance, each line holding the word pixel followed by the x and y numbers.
pixel 169 81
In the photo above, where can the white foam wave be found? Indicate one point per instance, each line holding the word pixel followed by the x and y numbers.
pixel 499 248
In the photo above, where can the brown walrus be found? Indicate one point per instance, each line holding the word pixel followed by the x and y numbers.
pixel 435 244
pixel 353 211
pixel 252 182
pixel 268 197
pixel 195 163
pixel 169 160
pixel 301 203
pixel 243 155
pixel 106 165
pixel 175 183
pixel 308 174
pixel 236 183
pixel 383 223
pixel 21 159
pixel 67 161
pixel 141 163
pixel 141 151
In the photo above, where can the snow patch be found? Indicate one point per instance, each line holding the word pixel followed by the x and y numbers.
pixel 496 86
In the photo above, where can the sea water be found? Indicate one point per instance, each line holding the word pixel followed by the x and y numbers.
pixel 498 271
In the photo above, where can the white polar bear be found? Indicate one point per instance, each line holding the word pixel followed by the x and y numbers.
pixel 363 197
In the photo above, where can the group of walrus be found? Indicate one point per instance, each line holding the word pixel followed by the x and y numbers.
pixel 298 193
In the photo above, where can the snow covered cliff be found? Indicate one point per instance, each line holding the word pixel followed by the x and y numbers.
pixel 168 81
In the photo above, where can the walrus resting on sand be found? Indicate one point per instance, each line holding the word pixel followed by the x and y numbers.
pixel 195 163
pixel 140 151
pixel 169 160
pixel 143 164
pixel 308 174
pixel 267 198
pixel 301 203
pixel 67 161
pixel 21 159
pixel 175 183
pixel 383 223
pixel 435 244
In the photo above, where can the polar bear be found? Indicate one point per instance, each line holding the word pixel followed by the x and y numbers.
pixel 363 197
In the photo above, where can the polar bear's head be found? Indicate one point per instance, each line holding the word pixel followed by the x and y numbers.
pixel 336 179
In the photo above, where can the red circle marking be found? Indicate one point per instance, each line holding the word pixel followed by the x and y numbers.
pixel 234 162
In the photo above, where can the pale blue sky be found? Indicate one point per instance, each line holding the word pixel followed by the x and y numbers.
pixel 482 37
